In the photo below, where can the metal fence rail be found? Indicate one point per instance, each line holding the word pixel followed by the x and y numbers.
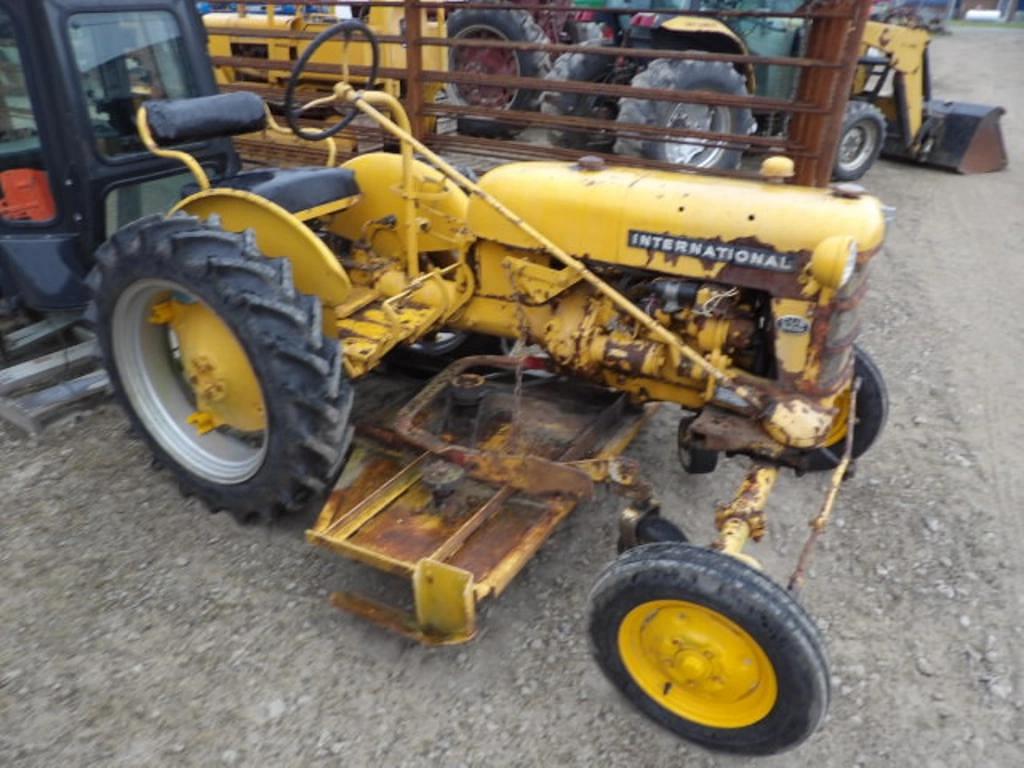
pixel 254 46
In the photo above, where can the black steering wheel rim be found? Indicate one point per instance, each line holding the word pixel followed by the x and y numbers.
pixel 347 28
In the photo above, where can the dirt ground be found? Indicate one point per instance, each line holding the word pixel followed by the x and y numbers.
pixel 136 629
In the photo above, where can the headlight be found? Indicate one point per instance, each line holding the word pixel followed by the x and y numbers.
pixel 834 260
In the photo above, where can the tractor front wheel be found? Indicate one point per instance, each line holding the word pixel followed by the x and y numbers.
pixel 221 365
pixel 709 648
pixel 869 420
pixel 676 75
pixel 860 141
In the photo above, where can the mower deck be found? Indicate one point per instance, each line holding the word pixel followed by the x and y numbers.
pixel 459 539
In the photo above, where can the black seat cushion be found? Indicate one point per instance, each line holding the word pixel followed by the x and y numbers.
pixel 205 117
pixel 294 189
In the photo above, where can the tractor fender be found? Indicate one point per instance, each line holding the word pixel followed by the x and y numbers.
pixel 279 235
pixel 379 214
pixel 698 33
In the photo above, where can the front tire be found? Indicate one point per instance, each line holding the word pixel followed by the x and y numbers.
pixel 869 421
pixel 221 365
pixel 709 648
pixel 860 141
pixel 687 76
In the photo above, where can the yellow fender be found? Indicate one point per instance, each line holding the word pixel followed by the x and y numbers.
pixel 698 28
pixel 279 234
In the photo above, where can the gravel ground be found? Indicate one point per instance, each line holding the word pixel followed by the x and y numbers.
pixel 139 630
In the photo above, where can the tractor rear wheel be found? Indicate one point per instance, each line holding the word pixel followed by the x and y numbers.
pixel 516 26
pixel 581 68
pixel 709 648
pixel 860 141
pixel 221 365
pixel 676 75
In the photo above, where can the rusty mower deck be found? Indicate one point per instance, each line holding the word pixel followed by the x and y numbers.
pixel 461 527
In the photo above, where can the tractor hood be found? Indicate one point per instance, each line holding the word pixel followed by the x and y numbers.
pixel 648 218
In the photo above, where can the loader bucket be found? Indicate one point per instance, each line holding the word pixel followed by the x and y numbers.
pixel 965 138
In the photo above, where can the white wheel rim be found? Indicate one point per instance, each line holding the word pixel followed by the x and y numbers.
pixel 151 377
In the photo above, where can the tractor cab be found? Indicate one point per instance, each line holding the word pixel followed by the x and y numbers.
pixel 73 169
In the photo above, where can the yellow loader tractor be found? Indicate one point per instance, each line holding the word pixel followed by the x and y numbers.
pixel 234 327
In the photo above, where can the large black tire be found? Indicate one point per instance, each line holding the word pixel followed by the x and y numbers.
pixel 860 141
pixel 677 75
pixel 514 26
pixel 711 599
pixel 581 68
pixel 872 413
pixel 306 399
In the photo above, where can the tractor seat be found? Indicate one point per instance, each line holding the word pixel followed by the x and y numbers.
pixel 296 189
pixel 305 192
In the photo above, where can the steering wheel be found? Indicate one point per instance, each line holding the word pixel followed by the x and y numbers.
pixel 346 29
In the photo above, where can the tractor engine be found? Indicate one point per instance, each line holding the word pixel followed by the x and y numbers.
pixel 720 321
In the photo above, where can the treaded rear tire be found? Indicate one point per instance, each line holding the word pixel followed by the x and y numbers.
pixel 579 68
pixel 307 398
pixel 515 26
pixel 762 608
pixel 683 75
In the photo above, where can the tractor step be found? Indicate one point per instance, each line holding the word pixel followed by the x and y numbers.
pixel 27 405
pixel 455 538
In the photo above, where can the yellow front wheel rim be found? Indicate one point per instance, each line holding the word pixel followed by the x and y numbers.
pixel 697 663
pixel 841 420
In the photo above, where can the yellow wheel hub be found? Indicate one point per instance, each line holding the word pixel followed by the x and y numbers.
pixel 226 389
pixel 698 664
pixel 841 419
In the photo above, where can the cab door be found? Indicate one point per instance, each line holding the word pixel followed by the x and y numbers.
pixel 40 264
pixel 114 56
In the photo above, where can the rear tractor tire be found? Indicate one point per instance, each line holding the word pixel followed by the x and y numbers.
pixel 504 25
pixel 677 75
pixel 581 68
pixel 709 648
pixel 860 141
pixel 221 365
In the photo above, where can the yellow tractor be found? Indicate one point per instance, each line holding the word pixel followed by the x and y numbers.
pixel 234 327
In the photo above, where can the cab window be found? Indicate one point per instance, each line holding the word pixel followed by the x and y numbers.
pixel 124 59
pixel 25 194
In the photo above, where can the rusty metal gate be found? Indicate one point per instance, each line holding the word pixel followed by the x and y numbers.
pixel 465 92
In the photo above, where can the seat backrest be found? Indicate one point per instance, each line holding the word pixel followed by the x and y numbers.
pixel 205 117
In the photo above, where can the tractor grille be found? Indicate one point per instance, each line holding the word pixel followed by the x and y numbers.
pixel 843 329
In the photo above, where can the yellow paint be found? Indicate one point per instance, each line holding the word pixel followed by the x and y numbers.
pixel 223 29
pixel 697 663
pixel 379 219
pixel 777 167
pixel 590 214
pixel 833 261
pixel 791 348
pixel 906 48
pixel 445 604
pixel 279 234
pixel 216 366
pixel 710 29
pixel 142 125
